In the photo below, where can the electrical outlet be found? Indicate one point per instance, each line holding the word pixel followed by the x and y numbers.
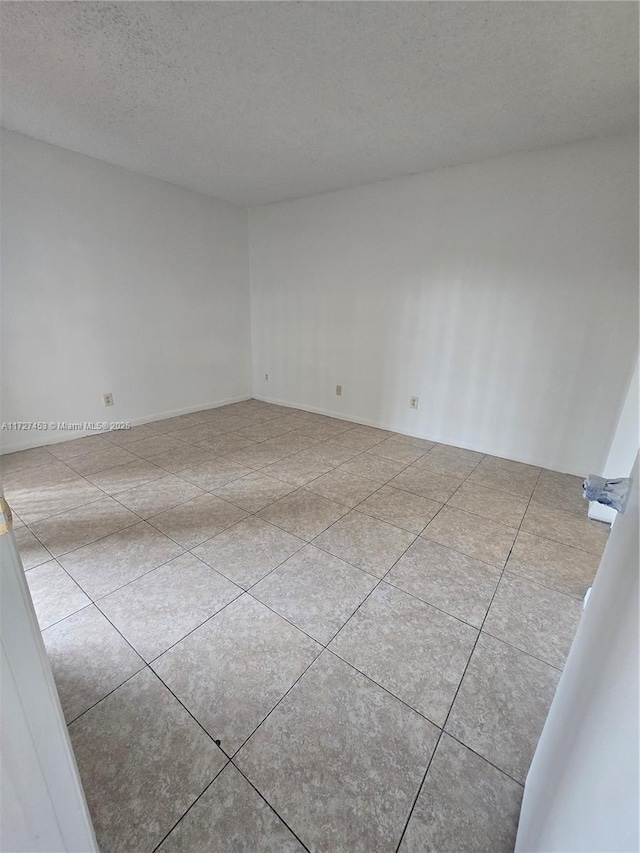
pixel 108 399
pixel 413 402
pixel 338 390
pixel 266 377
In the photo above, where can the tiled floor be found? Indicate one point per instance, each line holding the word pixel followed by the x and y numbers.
pixel 275 631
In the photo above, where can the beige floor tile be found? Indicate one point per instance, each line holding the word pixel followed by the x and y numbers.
pixel 502 705
pixel 293 422
pixel 158 496
pixel 562 491
pixel 339 756
pixel 374 432
pixel 397 451
pixel 514 481
pixel 233 670
pixel 386 640
pixel 200 435
pixel 54 594
pixel 109 563
pixel 100 460
pixel 449 461
pixel 324 431
pixel 168 425
pixel 123 437
pixel 298 470
pixel 233 815
pixel 366 542
pixel 498 506
pixel 477 537
pixel 225 443
pixel 33 478
pixel 89 659
pixel 566 527
pixel 179 458
pixel 249 550
pixel 143 761
pixel 360 438
pixel 426 484
pixel 56 499
pixel 291 412
pixel 377 468
pixel 303 513
pixel 499 462
pixel 211 475
pixel 160 608
pixel 465 805
pixel 343 487
pixel 317 418
pixel 264 430
pixel 219 414
pixel 123 477
pixel 422 444
pixel 329 453
pixel 32 551
pixel 85 524
pixel 20 460
pixel 77 446
pixel 290 443
pixel 206 415
pixel 197 520
pixel 283 421
pixel 410 512
pixel 255 491
pixel 471 456
pixel 37 493
pixel 309 759
pixel 447 579
pixel 147 447
pixel 552 564
pixel 209 415
pixel 533 618
pixel 227 422
pixel 257 456
pixel 315 591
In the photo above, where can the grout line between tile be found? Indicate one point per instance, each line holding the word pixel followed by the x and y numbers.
pixel 278 815
pixel 495 766
pixel 455 696
pixel 514 574
pixel 184 814
pixel 331 439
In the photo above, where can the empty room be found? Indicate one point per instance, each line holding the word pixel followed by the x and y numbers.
pixel 319 427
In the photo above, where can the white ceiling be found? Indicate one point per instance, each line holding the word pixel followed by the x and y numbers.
pixel 261 101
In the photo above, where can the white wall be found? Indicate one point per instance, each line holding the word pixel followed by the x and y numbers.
pixel 624 446
pixel 115 282
pixel 581 794
pixel 486 290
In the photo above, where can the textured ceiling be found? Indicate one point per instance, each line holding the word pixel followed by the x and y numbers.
pixel 260 101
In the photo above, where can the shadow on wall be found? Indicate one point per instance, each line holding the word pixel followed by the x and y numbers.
pixel 486 363
pixel 503 294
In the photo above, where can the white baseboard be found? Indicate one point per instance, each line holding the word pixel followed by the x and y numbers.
pixel 338 415
pixel 41 438
pixel 439 439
